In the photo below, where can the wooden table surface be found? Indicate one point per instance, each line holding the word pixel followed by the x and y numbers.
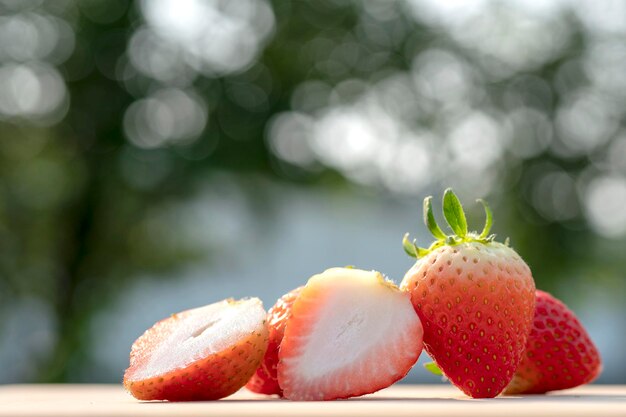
pixel 399 400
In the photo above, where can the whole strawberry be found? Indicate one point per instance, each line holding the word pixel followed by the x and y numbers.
pixel 475 298
pixel 264 380
pixel 559 352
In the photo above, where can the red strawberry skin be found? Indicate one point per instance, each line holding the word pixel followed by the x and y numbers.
pixel 559 352
pixel 476 301
pixel 210 378
pixel 264 380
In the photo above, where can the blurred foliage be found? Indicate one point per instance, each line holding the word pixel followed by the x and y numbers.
pixel 112 112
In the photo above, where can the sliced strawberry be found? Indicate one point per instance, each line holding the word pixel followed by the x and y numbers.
pixel 202 354
pixel 559 353
pixel 351 333
pixel 264 380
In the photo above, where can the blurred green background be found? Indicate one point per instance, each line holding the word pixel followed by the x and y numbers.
pixel 161 155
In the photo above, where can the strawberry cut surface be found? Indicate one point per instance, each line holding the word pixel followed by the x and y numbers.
pixel 205 353
pixel 350 333
pixel 559 353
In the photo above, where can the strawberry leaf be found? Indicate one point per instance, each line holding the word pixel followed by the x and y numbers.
pixel 454 214
pixel 433 368
pixel 409 247
pixel 429 219
pixel 412 249
pixel 488 219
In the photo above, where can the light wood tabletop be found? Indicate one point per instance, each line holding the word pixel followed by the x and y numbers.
pixel 399 400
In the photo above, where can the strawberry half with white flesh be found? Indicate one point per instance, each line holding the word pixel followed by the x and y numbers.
pixel 205 353
pixel 351 332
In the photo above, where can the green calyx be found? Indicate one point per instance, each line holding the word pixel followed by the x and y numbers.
pixel 455 217
pixel 433 368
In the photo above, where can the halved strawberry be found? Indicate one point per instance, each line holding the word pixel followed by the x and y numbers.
pixel 559 352
pixel 264 380
pixel 205 353
pixel 351 333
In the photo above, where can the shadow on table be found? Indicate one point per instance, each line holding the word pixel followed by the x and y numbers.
pixel 509 399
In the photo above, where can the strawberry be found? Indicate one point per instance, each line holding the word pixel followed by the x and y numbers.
pixel 201 354
pixel 475 298
pixel 350 333
pixel 559 352
pixel 264 380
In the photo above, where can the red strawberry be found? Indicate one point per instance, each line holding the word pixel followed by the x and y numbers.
pixel 202 354
pixel 475 298
pixel 351 333
pixel 559 352
pixel 264 381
